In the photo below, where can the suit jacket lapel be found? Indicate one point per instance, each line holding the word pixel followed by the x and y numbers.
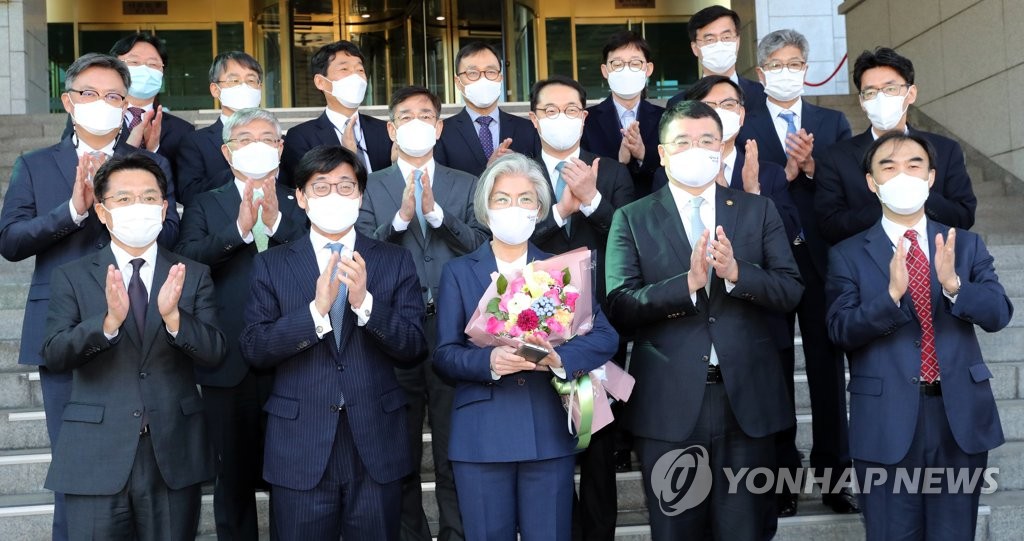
pixel 936 287
pixel 326 133
pixel 485 264
pixel 725 216
pixel 103 259
pixel 609 121
pixel 67 160
pixel 880 248
pixel 664 208
pixel 736 180
pixel 811 120
pixel 154 322
pixel 229 200
pixel 464 127
pixel 764 127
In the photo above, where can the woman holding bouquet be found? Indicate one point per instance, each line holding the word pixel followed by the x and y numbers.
pixel 510 447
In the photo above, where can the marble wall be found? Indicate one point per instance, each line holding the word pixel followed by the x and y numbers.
pixel 825 29
pixel 24 77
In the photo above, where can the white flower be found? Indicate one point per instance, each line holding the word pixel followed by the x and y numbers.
pixel 518 303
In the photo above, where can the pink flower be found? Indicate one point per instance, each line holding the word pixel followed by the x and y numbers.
pixel 495 325
pixel 552 294
pixel 556 276
pixel 516 285
pixel 515 331
pixel 527 320
pixel 570 300
pixel 554 325
pixel 503 303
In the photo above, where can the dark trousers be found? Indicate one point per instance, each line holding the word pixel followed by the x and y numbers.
pixel 596 510
pixel 237 427
pixel 825 379
pixel 697 511
pixel 346 503
pixel 908 514
pixel 499 498
pixel 56 387
pixel 145 509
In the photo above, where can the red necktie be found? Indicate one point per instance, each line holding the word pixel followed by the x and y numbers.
pixel 920 293
pixel 136 119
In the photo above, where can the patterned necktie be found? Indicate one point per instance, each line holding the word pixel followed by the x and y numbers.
pixel 559 190
pixel 337 311
pixel 417 177
pixel 486 141
pixel 136 113
pixel 138 300
pixel 920 285
pixel 259 229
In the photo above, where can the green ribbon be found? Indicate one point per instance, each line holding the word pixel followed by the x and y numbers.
pixel 582 388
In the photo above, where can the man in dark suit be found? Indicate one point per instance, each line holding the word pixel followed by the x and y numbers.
pixel 795 134
pixel 236 79
pixel 715 40
pixel 225 228
pixel 481 132
pixel 46 212
pixel 428 209
pixel 904 298
pixel 334 313
pixel 587 190
pixel 129 322
pixel 624 126
pixel 146 124
pixel 707 374
pixel 338 72
pixel 845 206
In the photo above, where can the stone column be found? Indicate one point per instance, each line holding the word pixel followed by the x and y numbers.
pixel 24 74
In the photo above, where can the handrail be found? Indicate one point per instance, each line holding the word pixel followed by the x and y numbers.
pixel 829 78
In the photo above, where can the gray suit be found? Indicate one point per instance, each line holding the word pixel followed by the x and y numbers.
pixel 458 234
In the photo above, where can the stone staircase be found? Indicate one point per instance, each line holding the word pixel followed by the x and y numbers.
pixel 26 508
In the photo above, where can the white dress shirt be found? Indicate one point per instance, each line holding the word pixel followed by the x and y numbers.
pixel 338 120
pixel 620 112
pixel 257 194
pixel 322 323
pixel 781 126
pixel 551 162
pixel 436 216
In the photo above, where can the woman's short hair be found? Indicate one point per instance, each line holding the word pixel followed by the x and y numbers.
pixel 511 164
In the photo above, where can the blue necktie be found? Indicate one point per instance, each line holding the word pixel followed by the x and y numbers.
pixel 696 224
pixel 337 312
pixel 486 140
pixel 560 189
pixel 790 118
pixel 417 177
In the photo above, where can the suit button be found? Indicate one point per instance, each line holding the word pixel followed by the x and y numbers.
pixel 340 368
pixel 706 358
pixel 917 343
pixel 142 375
pixel 427 258
pixel 100 245
pixel 711 319
pixel 334 408
pixel 136 413
pixel 914 380
pixel 520 381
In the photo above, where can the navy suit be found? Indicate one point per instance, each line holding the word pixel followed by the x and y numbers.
pixel 200 162
pixel 459 144
pixel 601 136
pixel 319 131
pixel 309 438
pixel 891 421
pixel 845 206
pixel 753 95
pixel 513 427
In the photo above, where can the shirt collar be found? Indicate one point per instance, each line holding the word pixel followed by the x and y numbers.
pixel 895 231
pixel 683 197
pixel 473 115
pixel 550 161
pixel 511 267
pixel 797 108
pixel 339 120
pixel 729 161
pixel 620 110
pixel 875 136
pixel 407 168
pixel 320 242
pixel 123 258
pixel 84 148
pixel 240 186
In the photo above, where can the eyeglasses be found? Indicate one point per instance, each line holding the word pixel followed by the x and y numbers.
pixel 123 199
pixel 243 141
pixel 344 188
pixel 774 66
pixel 869 94
pixel 711 39
pixel 252 82
pixel 684 144
pixel 728 104
pixel 634 65
pixel 503 201
pixel 429 118
pixel 571 111
pixel 153 64
pixel 89 96
pixel 474 75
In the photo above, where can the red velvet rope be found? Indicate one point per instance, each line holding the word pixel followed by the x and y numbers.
pixel 829 78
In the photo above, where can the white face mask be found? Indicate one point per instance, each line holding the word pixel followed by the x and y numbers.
pixel 513 225
pixel 784 85
pixel 719 57
pixel 333 213
pixel 695 167
pixel 349 90
pixel 98 117
pixel 903 194
pixel 255 160
pixel 561 132
pixel 136 225
pixel 416 138
pixel 146 81
pixel 885 112
pixel 483 92
pixel 730 123
pixel 242 96
pixel 626 83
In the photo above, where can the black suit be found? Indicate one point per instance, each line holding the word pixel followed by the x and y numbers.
pixel 672 407
pixel 753 95
pixel 459 145
pixel 102 459
pixel 319 131
pixel 200 162
pixel 601 136
pixel 234 393
pixel 845 206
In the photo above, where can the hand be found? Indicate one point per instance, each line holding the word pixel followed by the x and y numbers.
pixel 428 195
pixel 792 168
pixel 569 203
pixel 348 136
pixel 82 196
pixel 502 150
pixel 721 257
pixel 945 261
pixel 352 271
pixel 751 169
pixel 581 179
pixel 247 210
pixel 326 288
pixel 117 301
pixel 269 202
pixel 152 122
pixel 408 209
pixel 898 276
pixel 697 277
pixel 504 361
pixel 799 146
pixel 170 293
pixel 552 359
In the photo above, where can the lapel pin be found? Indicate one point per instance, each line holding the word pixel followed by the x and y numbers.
pixel 728 202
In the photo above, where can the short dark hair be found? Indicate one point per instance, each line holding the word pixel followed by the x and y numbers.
pixel 883 57
pixel 124 45
pixel 243 59
pixel 135 161
pixel 687 109
pixel 327 158
pixel 323 57
pixel 96 60
pixel 406 92
pixel 699 90
pixel 709 15
pixel 897 138
pixel 622 39
pixel 474 47
pixel 556 80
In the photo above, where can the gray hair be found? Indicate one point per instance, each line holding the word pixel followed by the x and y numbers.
pixel 244 117
pixel 220 63
pixel 511 164
pixel 779 39
pixel 96 60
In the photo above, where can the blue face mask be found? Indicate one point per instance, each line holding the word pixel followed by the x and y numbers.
pixel 146 81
